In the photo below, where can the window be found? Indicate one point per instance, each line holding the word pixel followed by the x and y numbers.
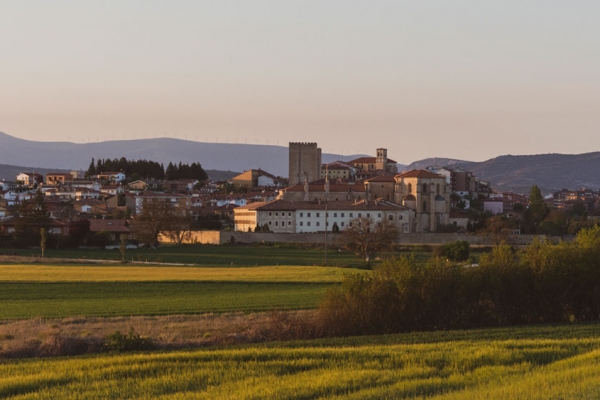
pixel 359 215
pixel 277 214
pixel 351 215
pixel 424 188
pixel 269 222
pixel 409 187
pixel 318 214
pixel 318 223
pixel 301 223
pixel 276 223
pixel 342 215
pixel 308 223
pixel 308 215
pixel 335 215
pixel 379 215
pixel 289 214
pixel 302 214
pixel 437 189
pixel 368 215
pixel 342 224
pixel 400 218
pixel 270 213
pixel 391 217
pixel 289 222
pixel 424 206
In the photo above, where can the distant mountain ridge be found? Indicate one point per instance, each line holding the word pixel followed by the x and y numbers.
pixel 215 156
pixel 428 162
pixel 550 172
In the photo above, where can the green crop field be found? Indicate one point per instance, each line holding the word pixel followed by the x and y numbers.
pixel 28 291
pixel 53 300
pixel 209 255
pixel 550 362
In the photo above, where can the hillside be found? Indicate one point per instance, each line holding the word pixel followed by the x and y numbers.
pixel 427 162
pixel 213 156
pixel 551 172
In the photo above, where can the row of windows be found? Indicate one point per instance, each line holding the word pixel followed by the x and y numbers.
pixel 342 215
pixel 282 223
pixel 319 224
pixel 277 214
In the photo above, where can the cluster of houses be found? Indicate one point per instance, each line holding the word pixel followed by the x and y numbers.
pixel 316 198
pixel 111 203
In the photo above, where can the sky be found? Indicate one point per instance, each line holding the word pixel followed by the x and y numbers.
pixel 470 80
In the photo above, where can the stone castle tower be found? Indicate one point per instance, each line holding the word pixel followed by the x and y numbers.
pixel 304 160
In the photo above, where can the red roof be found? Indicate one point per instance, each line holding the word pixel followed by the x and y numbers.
pixel 419 173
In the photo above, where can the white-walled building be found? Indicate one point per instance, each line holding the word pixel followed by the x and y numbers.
pixel 309 217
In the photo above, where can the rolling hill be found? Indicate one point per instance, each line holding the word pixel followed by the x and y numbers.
pixel 215 156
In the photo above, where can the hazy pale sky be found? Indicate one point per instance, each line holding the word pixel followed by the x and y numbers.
pixel 460 79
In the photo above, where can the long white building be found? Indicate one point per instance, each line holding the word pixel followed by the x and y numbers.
pixel 309 217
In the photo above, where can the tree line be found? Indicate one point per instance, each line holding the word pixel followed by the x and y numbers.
pixel 147 169
pixel 544 283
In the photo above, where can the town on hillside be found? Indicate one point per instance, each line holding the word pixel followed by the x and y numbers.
pixel 122 200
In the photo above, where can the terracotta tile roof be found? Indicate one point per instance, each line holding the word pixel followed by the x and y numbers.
pixel 282 205
pixel 333 188
pixel 382 178
pixel 419 173
pixel 370 160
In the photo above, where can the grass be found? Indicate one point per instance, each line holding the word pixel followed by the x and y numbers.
pixel 211 255
pixel 51 291
pixel 225 255
pixel 560 362
pixel 52 300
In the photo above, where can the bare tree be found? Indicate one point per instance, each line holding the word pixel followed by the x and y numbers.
pixel 156 217
pixel 179 229
pixel 364 236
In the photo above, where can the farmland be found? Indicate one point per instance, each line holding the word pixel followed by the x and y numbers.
pixel 52 291
pixel 267 254
pixel 527 362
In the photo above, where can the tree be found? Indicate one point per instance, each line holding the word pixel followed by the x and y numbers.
pixel 179 229
pixel 364 236
pixel 156 217
pixel 43 240
pixel 537 210
pixel 32 216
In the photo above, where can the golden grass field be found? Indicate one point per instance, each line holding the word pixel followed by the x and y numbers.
pixel 548 362
pixel 134 273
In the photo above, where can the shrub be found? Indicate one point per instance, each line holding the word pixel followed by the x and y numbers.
pixel 454 251
pixel 131 342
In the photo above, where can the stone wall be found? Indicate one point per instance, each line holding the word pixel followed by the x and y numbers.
pixel 409 239
pixel 201 237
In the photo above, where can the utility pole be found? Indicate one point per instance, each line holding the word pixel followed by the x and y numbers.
pixel 326 206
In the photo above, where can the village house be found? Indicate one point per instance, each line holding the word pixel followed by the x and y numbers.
pixel 256 178
pixel 58 178
pixel 111 176
pixel 182 203
pixel 30 178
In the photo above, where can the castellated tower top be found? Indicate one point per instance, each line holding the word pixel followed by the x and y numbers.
pixel 304 161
